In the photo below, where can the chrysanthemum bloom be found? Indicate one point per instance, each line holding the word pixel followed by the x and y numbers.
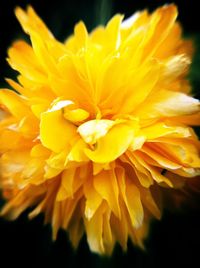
pixel 97 126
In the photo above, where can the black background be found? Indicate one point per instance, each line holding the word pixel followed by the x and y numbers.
pixel 174 241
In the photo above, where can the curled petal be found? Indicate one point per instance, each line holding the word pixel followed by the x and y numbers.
pixel 111 146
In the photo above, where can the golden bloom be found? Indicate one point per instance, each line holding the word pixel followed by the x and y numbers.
pixel 97 126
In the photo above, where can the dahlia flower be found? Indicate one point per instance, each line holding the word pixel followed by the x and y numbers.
pixel 96 127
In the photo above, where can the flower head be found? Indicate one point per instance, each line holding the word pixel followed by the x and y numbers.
pixel 98 125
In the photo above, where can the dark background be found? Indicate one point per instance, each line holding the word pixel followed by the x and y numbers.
pixel 174 241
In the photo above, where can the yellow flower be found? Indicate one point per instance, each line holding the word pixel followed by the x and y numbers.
pixel 98 125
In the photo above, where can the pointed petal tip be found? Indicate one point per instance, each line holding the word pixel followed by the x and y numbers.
pixel 18 10
pixel 80 28
pixel 30 9
pixel 21 16
pixel 169 8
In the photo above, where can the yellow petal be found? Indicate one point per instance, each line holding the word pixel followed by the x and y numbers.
pixel 16 141
pixel 138 235
pixel 76 115
pixel 142 173
pixel 66 188
pixel 176 66
pixel 93 130
pixel 94 231
pixel 14 103
pixel 120 228
pixel 161 22
pixel 185 152
pixel 113 31
pixel 162 129
pixel 112 145
pixel 23 59
pixel 137 142
pixel 58 160
pixel 69 89
pixel 144 84
pixel 105 183
pixel 93 199
pixel 76 228
pixel 166 103
pixel 13 162
pixel 108 237
pixel 81 34
pixel 31 22
pixel 77 152
pixel 191 120
pixel 55 131
pixel 69 207
pixel 43 55
pixel 149 202
pixel 97 167
pixel 132 200
pixel 162 160
pixel 155 172
pixel 56 219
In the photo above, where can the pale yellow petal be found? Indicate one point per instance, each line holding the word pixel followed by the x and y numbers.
pixel 93 130
pixel 166 103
